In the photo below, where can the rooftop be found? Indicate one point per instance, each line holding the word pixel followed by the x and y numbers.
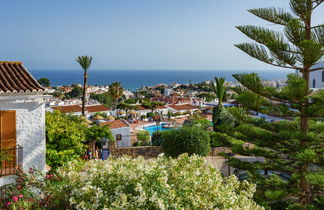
pixel 116 124
pixel 67 109
pixel 182 107
pixel 97 108
pixel 14 77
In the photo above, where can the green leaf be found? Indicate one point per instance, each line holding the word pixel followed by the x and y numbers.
pixel 274 15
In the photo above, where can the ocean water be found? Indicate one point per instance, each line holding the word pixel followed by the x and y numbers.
pixel 133 79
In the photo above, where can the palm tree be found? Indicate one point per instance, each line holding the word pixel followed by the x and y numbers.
pixel 219 89
pixel 116 91
pixel 85 62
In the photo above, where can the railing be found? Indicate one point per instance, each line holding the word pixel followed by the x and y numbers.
pixel 10 160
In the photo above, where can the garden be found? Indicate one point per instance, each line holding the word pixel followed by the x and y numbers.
pixel 186 182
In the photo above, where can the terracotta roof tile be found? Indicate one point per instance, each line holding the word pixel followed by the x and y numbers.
pixel 97 108
pixel 182 107
pixel 139 107
pixel 116 124
pixel 68 109
pixel 14 77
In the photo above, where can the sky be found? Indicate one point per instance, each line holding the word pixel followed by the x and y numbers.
pixel 131 34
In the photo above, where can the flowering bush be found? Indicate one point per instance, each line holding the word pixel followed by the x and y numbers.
pixel 28 192
pixel 125 183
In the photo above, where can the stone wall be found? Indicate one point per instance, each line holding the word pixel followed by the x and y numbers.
pixel 151 151
pixel 216 150
pixel 145 151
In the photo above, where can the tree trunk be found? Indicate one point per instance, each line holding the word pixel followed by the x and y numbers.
pixel 305 195
pixel 84 92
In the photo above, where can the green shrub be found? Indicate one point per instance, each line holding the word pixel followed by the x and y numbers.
pixel 191 140
pixel 125 183
pixel 223 140
pixel 65 138
pixel 157 138
pixel 143 136
pixel 218 139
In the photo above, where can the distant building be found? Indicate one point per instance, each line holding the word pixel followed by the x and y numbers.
pixel 182 108
pixel 168 91
pixel 77 109
pixel 316 78
pixel 22 121
pixel 68 109
pixel 121 131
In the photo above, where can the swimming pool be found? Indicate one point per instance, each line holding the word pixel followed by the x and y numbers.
pixel 153 128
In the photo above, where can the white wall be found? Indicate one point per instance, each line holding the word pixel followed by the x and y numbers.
pixel 317 76
pixel 126 138
pixel 30 118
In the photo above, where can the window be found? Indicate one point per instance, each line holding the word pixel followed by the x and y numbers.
pixel 314 83
pixel 118 137
pixel 7 129
pixel 7 142
pixel 323 76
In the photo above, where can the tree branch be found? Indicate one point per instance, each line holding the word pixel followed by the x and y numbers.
pixel 318 26
pixel 318 3
pixel 316 69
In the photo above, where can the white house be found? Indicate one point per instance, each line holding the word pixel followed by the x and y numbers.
pixel 22 121
pixel 93 109
pixel 316 78
pixel 121 131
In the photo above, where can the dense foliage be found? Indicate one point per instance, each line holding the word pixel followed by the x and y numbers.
pixel 157 138
pixel 143 138
pixel 191 140
pixel 293 148
pixel 116 91
pixel 198 120
pixel 103 98
pixel 45 82
pixel 76 92
pixel 125 183
pixel 65 137
pixel 219 89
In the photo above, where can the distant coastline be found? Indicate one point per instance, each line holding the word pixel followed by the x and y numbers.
pixel 133 79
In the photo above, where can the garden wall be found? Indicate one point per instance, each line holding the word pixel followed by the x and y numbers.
pixel 151 151
pixel 145 151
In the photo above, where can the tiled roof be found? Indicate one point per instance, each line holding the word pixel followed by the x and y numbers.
pixel 116 124
pixel 68 109
pixel 14 77
pixel 97 108
pixel 182 107
pixel 139 107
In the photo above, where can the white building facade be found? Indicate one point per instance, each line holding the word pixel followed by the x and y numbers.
pixel 22 124
pixel 316 78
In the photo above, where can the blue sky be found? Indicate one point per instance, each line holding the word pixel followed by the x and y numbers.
pixel 130 34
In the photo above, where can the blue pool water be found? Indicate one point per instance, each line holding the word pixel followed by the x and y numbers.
pixel 153 128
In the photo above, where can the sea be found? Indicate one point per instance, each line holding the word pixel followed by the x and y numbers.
pixel 133 79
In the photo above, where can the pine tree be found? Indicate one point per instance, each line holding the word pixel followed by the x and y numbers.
pixel 293 147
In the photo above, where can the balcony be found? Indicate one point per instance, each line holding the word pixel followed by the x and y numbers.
pixel 10 161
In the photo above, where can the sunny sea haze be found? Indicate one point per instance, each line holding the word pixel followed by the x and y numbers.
pixel 133 79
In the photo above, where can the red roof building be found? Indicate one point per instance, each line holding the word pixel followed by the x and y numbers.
pixel 97 108
pixel 68 109
pixel 116 124
pixel 14 78
pixel 182 107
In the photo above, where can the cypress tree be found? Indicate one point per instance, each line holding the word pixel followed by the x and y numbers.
pixel 293 147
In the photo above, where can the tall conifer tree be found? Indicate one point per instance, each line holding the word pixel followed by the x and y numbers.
pixel 293 147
